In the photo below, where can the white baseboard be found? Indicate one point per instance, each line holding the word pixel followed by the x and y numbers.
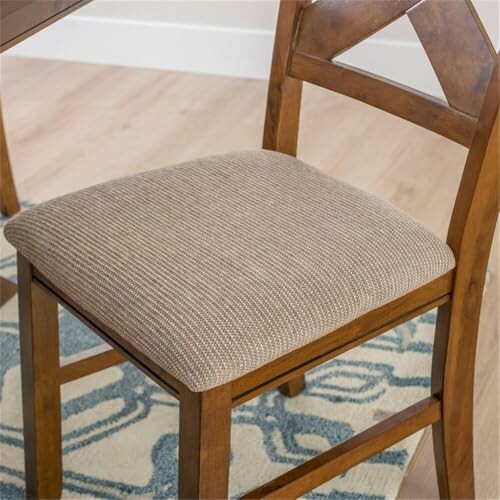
pixel 206 49
pixel 146 44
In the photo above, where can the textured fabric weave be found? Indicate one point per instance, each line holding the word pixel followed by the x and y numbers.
pixel 217 266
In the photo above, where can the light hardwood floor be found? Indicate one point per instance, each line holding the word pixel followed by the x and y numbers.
pixel 72 125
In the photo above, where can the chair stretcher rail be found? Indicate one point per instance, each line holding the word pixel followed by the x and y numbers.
pixel 355 450
pixel 88 362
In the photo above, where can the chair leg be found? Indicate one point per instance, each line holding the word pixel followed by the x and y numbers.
pixel 38 328
pixel 293 387
pixel 204 443
pixel 453 378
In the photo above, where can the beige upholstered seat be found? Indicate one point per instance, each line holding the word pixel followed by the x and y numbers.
pixel 217 266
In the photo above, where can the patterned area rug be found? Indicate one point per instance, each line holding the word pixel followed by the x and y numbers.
pixel 120 429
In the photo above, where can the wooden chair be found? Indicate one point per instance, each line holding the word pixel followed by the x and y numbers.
pixel 308 36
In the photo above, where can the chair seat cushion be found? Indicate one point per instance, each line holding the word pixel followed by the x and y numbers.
pixel 215 267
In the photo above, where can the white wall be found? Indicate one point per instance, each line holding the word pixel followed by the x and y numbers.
pixel 245 14
pixel 229 37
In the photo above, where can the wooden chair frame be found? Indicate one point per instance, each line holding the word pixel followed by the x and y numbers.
pixel 205 418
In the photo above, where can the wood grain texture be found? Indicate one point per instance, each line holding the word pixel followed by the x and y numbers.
pixel 204 443
pixel 486 391
pixel 421 109
pixel 284 95
pixel 87 362
pixel 38 331
pixel 437 384
pixel 470 235
pixel 451 32
pixel 293 387
pixel 458 49
pixel 9 203
pixel 330 27
pixel 7 290
pixel 355 450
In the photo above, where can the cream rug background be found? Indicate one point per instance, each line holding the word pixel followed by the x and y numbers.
pixel 120 429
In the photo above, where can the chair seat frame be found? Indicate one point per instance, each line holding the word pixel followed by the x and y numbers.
pixel 205 417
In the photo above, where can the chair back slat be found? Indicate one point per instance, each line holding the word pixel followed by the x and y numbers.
pixel 421 109
pixel 460 52
pixel 328 28
pixel 451 33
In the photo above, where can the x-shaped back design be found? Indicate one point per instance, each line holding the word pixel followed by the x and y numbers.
pixel 450 31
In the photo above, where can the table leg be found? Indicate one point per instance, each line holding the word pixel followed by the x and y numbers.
pixel 9 204
pixel 7 290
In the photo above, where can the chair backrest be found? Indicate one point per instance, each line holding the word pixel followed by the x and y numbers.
pixel 309 35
